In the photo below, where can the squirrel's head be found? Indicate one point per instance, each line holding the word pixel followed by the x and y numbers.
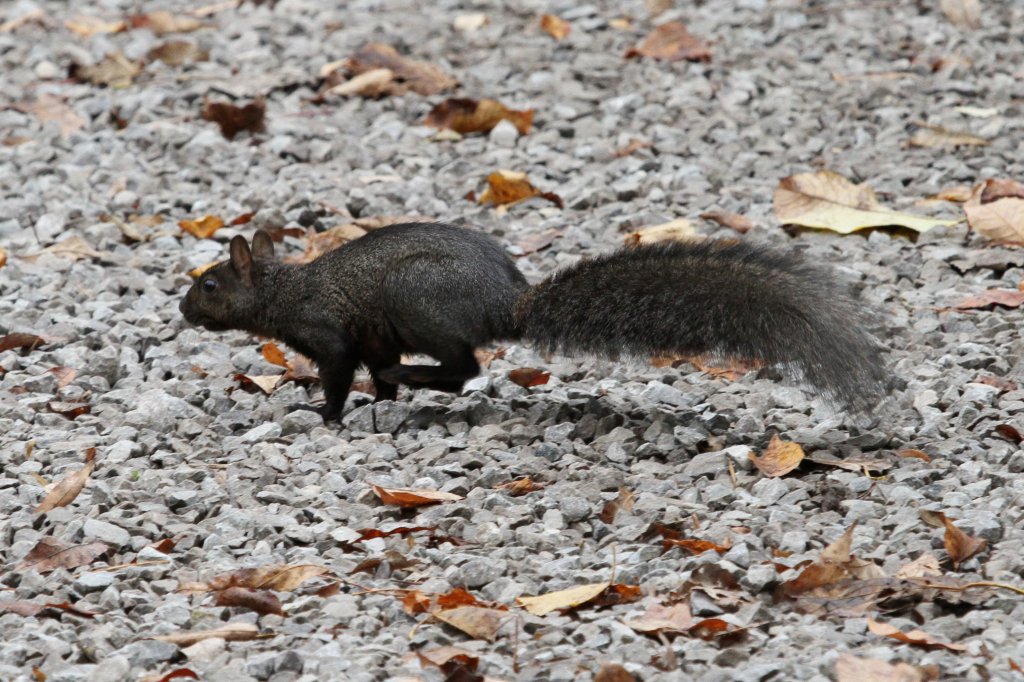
pixel 227 295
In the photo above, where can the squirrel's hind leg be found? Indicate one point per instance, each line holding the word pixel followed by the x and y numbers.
pixel 449 376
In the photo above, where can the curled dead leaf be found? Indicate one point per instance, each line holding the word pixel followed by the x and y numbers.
pixel 505 187
pixel 779 458
pixel 231 632
pixel 53 109
pixel 161 22
pixel 464 115
pixel 177 52
pixel 202 228
pixel 407 74
pixel 1006 298
pixel 528 377
pixel 672 42
pixel 850 668
pixel 50 554
pixel 233 119
pixel 520 486
pixel 67 489
pixel 411 497
pixel 476 621
pixel 263 602
pixel 676 230
pixel 87 26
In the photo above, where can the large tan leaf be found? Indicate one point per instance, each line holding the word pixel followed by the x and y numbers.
pixel 914 637
pixel 67 489
pixel 1000 219
pixel 828 201
pixel 50 554
pixel 937 136
pixel 476 621
pixel 231 632
pixel 409 497
pixel 562 599
pixel 659 618
pixel 672 42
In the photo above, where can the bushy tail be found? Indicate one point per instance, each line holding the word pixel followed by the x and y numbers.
pixel 727 298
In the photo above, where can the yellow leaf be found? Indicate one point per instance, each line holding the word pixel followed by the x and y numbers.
pixel 562 599
pixel 828 201
pixel 202 228
pixel 779 458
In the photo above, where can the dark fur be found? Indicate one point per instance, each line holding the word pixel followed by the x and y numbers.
pixel 443 291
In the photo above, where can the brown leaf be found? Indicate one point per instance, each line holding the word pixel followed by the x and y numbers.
pixel 850 668
pixel 231 632
pixel 957 194
pixel 265 383
pixel 161 23
pixel 177 52
pixel 31 15
pixel 28 609
pixel 465 116
pixel 633 146
pixel 505 187
pixel 529 376
pixel 659 619
pixel 850 463
pixel 69 409
pixel 115 71
pixel 26 343
pixel 50 554
pixel 3 257
pixel 263 602
pixel 1008 298
pixel 959 544
pixel 203 228
pixel 476 621
pixel 520 486
pixel 408 497
pixel 616 594
pixel 923 566
pixel 554 26
pixel 414 602
pixel 915 454
pixel 672 42
pixel 733 221
pixel 65 375
pixel 52 109
pixel 914 637
pixel 613 672
pixel 486 357
pixel 696 546
pixel 1000 219
pixel 440 656
pixel 1009 432
pixel 965 14
pixel 234 119
pixel 826 200
pixel 1001 188
pixel 421 77
pixel 279 577
pixel 937 136
pixel 87 26
pixel 779 458
pixel 835 565
pixel 66 490
pixel 72 248
pixel 623 501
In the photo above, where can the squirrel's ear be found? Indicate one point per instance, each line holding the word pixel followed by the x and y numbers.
pixel 262 246
pixel 241 259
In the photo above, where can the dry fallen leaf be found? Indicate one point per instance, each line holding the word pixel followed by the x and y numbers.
pixel 263 602
pixel 231 632
pixel 661 619
pixel 633 146
pixel 441 656
pixel 36 14
pixel 52 109
pixel 923 566
pixel 520 486
pixel 562 599
pixel 937 136
pixel 66 490
pixel 465 115
pixel 554 26
pixel 410 497
pixel 672 42
pixel 203 228
pixel 827 200
pixel 161 23
pixel 279 577
pixel 50 554
pixel 835 565
pixel 915 637
pixel 962 13
pixel 676 230
pixel 26 343
pixel 853 669
pixel 528 377
pixel 733 221
pixel 233 119
pixel 177 52
pixel 1007 298
pixel 959 545
pixel 3 257
pixel 73 248
pixel 476 621
pixel 408 74
pixel 1001 188
pixel 613 672
pixel 505 187
pixel 622 502
pixel 1001 219
pixel 915 454
pixel 30 608
pixel 779 458
pixel 115 71
pixel 373 83
pixel 537 241
pixel 265 383
pixel 87 26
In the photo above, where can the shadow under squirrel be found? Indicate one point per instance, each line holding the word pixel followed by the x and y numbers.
pixel 443 291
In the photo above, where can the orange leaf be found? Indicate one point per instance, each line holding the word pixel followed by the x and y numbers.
pixel 1009 298
pixel 408 497
pixel 529 376
pixel 695 546
pixel 914 637
pixel 623 501
pixel 779 458
pixel 506 187
pixel 520 486
pixel 733 221
pixel 274 355
pixel 465 115
pixel 202 228
pixel 672 42
pixel 915 454
pixel 414 601
pixel 263 602
pixel 959 544
pixel 556 27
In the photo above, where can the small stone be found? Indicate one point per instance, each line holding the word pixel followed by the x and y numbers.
pixel 111 669
pixel 263 432
pixel 147 653
pixel 93 582
pixel 504 134
pixel 574 508
pixel 300 421
pixel 106 532
pixel 47 70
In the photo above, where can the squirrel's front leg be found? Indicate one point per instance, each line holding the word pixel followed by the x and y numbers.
pixel 336 376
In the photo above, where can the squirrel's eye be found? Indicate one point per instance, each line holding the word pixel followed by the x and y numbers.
pixel 209 285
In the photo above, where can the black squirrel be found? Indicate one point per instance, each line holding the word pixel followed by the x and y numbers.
pixel 443 291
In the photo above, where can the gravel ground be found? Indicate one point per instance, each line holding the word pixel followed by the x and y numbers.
pixel 238 481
